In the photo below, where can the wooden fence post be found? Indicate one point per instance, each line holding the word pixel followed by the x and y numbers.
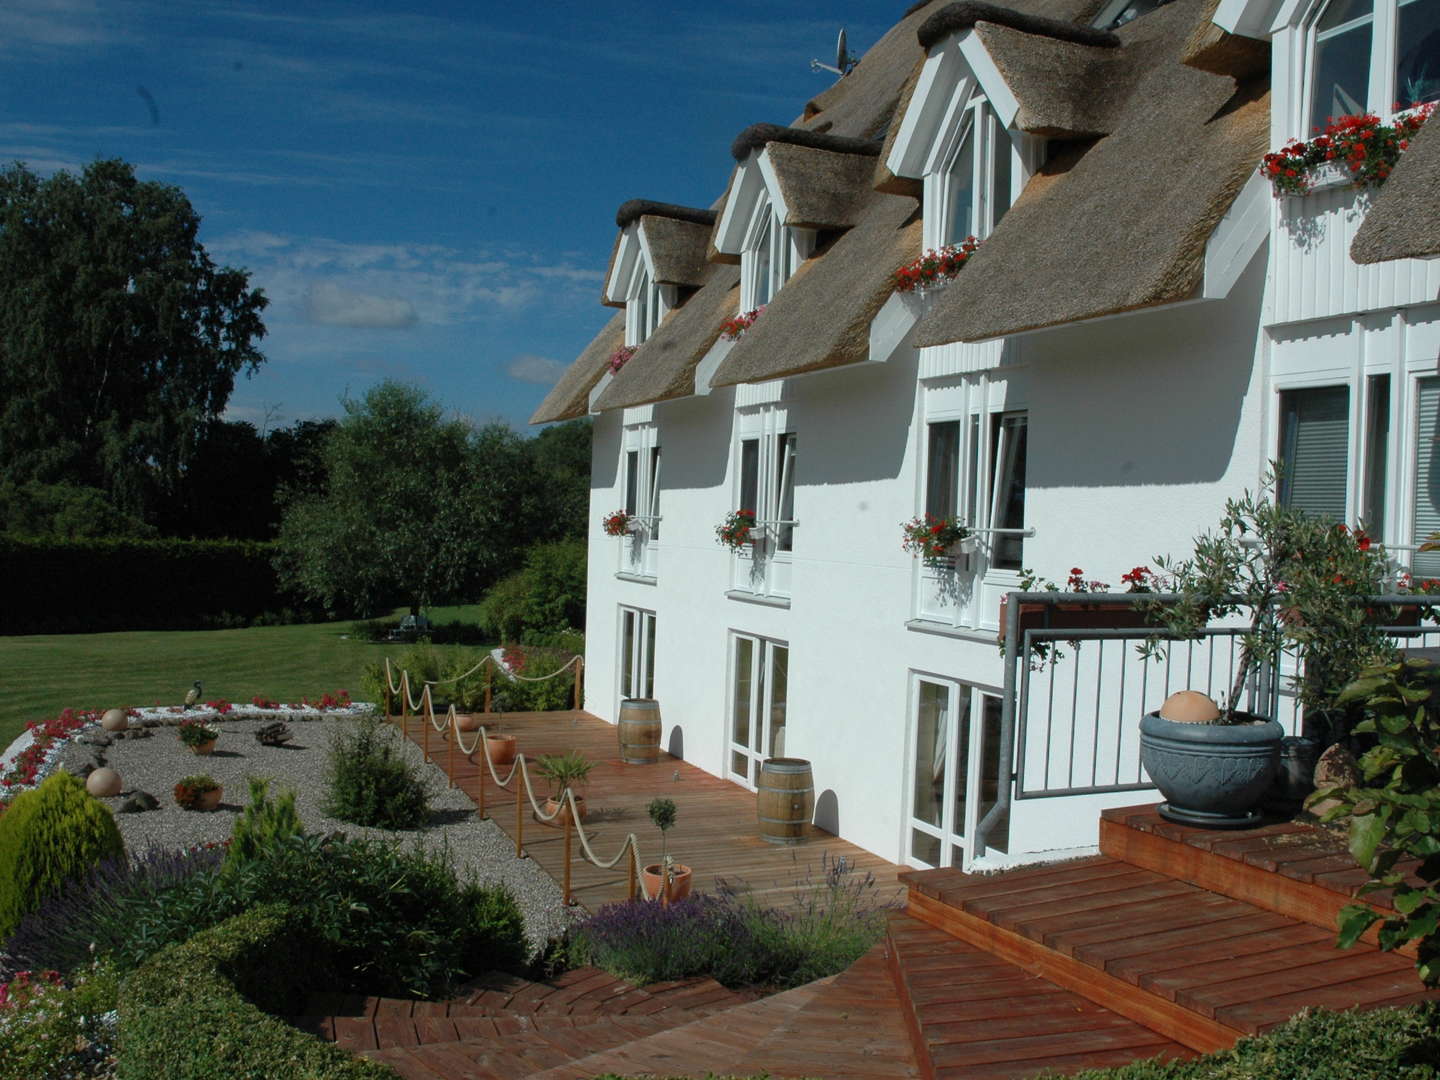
pixel 484 757
pixel 630 867
pixel 489 675
pixel 452 734
pixel 566 809
pixel 579 670
pixel 518 775
pixel 425 718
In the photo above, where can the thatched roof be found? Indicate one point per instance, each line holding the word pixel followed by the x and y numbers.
pixel 1214 50
pixel 1404 222
pixel 821 189
pixel 821 318
pixel 635 209
pixel 664 367
pixel 570 397
pixel 758 136
pixel 1063 89
pixel 953 18
pixel 677 249
pixel 1121 222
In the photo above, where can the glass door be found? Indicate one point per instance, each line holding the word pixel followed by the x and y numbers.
pixel 954 763
pixel 758 693
pixel 637 653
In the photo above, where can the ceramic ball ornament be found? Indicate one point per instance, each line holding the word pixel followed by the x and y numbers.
pixel 114 720
pixel 1190 707
pixel 103 783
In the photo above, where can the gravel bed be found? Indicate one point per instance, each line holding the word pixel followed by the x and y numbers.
pixel 478 849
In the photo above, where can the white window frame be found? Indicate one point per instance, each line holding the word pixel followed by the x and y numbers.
pixel 763 567
pixel 638 548
pixel 635 665
pixel 978 401
pixel 788 248
pixel 955 837
pixel 973 117
pixel 1381 92
pixel 761 705
pixel 645 305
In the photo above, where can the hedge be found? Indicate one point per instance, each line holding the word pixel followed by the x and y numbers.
pixel 87 585
pixel 202 1009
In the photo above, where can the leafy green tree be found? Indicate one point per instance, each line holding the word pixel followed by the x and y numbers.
pixel 119 338
pixel 413 505
pixel 556 502
pixel 34 509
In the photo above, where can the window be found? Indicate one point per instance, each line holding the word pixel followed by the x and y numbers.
pixel 973 186
pixel 942 469
pixel 770 254
pixel 1426 517
pixel 640 477
pixel 1368 56
pixel 642 474
pixel 644 308
pixel 1314 449
pixel 759 688
pixel 637 653
pixel 1007 487
pixel 954 766
pixel 772 501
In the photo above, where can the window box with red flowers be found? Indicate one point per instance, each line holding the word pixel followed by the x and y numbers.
pixel 1080 614
pixel 738 529
pixel 935 539
pixel 619 523
pixel 1359 147
pixel 619 358
pixel 935 267
pixel 733 329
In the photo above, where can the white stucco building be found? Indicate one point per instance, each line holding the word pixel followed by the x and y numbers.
pixel 1142 329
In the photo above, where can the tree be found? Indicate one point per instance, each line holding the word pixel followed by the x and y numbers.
pixel 413 505
pixel 556 502
pixel 120 340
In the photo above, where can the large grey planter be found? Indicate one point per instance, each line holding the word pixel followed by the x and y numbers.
pixel 1212 775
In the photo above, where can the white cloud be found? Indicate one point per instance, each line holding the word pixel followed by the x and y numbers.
pixel 527 367
pixel 331 305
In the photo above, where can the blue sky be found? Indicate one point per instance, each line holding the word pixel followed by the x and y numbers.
pixel 424 191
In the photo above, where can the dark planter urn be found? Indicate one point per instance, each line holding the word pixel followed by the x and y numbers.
pixel 1212 775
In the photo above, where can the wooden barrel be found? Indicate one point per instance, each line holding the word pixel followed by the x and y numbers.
pixel 640 731
pixel 784 799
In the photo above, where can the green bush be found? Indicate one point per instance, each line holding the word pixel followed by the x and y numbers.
pixel 1380 1044
pixel 199 1010
pixel 521 695
pixel 495 931
pixel 48 836
pixel 263 825
pixel 370 783
pixel 545 598
pixel 503 609
pixel 51 1029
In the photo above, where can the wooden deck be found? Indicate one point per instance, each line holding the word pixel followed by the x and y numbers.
pixel 715 832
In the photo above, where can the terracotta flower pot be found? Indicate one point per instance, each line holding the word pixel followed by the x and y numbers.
pixel 681 877
pixel 210 800
pixel 562 818
pixel 467 721
pixel 205 748
pixel 501 749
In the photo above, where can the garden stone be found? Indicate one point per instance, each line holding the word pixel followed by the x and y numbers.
pixel 139 802
pixel 1336 768
pixel 93 738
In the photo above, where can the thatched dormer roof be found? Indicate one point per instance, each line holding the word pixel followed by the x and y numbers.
pixel 1404 222
pixel 1119 222
pixel 955 18
pixel 635 209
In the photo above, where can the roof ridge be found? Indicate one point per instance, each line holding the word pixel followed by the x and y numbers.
pixel 965 14
pixel 634 209
pixel 756 136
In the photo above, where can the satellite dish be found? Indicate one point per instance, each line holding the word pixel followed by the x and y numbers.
pixel 842 64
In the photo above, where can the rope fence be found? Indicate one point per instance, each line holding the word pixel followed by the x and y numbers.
pixel 518 778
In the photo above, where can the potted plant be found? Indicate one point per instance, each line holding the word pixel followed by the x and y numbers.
pixel 934 539
pixel 198 792
pixel 499 746
pixel 564 771
pixel 666 879
pixel 198 736
pixel 618 523
pixel 1299 581
pixel 1079 614
pixel 738 529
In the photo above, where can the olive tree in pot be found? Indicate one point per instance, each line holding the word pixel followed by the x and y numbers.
pixel 666 879
pixel 1300 581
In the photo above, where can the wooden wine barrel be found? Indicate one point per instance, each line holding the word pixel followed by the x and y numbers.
pixel 640 731
pixel 784 799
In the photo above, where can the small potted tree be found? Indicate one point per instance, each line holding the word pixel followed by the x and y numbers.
pixel 1299 581
pixel 198 792
pixel 564 771
pixel 198 736
pixel 666 879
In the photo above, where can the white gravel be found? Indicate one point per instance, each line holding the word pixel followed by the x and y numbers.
pixel 479 850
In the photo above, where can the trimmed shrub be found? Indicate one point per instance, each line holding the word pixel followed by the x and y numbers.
pixel 370 783
pixel 199 1010
pixel 263 825
pixel 128 907
pixel 547 597
pixel 519 695
pixel 48 836
pixel 495 933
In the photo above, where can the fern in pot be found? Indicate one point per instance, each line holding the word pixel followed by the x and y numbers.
pixel 1298 581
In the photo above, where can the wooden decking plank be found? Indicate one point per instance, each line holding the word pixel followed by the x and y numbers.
pixel 1257 977
pixel 1217 949
pixel 1183 933
pixel 1315 980
pixel 1021 1049
pixel 1132 911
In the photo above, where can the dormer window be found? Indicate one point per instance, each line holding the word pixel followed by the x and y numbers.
pixel 770 255
pixel 644 308
pixel 972 183
pixel 1368 55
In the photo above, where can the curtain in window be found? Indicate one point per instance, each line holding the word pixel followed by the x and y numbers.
pixel 1314 449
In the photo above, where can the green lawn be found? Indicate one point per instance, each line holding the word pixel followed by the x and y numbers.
pixel 42 674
